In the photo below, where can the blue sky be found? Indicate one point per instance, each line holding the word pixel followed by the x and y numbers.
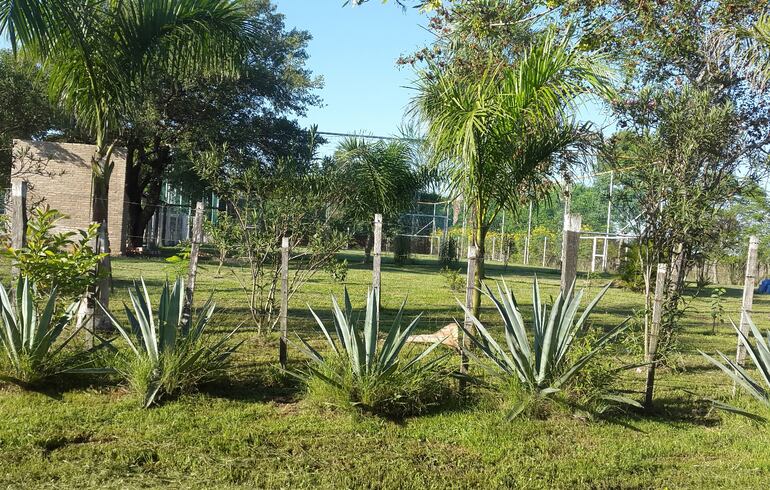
pixel 355 50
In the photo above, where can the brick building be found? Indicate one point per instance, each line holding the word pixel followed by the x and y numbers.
pixel 59 175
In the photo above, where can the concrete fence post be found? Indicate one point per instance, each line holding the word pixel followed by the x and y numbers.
pixel 468 322
pixel 283 353
pixel 18 218
pixel 654 333
pixel 377 255
pixel 196 238
pixel 748 297
pixel 569 250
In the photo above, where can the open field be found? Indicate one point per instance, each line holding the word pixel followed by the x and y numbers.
pixel 253 429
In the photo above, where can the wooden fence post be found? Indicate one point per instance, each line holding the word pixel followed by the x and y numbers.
pixel 195 247
pixel 18 219
pixel 545 248
pixel 283 353
pixel 748 297
pixel 569 250
pixel 468 322
pixel 377 262
pixel 651 341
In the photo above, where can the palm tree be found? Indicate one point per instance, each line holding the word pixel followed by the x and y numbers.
pixel 497 134
pixel 100 53
pixel 746 50
pixel 379 178
pixel 756 56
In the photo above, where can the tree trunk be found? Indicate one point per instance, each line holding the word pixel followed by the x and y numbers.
pixel 101 168
pixel 368 247
pixel 479 237
pixel 144 191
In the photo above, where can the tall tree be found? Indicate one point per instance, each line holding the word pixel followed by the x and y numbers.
pixel 253 112
pixel 499 135
pixel 98 55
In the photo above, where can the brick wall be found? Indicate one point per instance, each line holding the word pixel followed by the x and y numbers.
pixel 59 174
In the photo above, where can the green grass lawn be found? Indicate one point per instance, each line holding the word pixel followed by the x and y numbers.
pixel 253 429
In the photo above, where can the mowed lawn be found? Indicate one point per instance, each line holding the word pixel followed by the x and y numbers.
pixel 252 429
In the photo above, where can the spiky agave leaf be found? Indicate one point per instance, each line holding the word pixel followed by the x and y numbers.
pixel 759 352
pixel 542 368
pixel 29 336
pixel 171 339
pixel 367 362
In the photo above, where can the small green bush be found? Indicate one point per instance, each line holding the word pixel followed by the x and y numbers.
pixel 337 269
pixel 455 280
pixel 400 394
pixel 65 261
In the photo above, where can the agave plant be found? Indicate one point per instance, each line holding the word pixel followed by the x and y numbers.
pixel 544 366
pixel 169 353
pixel 28 336
pixel 760 355
pixel 365 372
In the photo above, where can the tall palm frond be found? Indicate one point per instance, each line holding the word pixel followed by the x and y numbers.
pixel 475 125
pixel 100 53
pixel 382 173
pixel 746 51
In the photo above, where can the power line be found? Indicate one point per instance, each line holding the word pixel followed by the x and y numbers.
pixel 368 136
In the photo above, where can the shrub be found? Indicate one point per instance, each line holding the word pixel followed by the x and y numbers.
pixel 28 336
pixel 371 376
pixel 402 249
pixel 455 281
pixel 337 269
pixel 168 353
pixel 449 255
pixel 224 235
pixel 65 261
pixel 760 355
pixel 631 273
pixel 717 308
pixel 548 365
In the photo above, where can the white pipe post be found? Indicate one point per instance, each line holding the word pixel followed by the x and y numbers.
pixel 609 219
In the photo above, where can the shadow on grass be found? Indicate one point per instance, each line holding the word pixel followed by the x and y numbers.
pixel 257 382
pixel 54 387
pixel 674 411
